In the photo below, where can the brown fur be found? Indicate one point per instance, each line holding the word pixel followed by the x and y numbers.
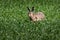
pixel 36 16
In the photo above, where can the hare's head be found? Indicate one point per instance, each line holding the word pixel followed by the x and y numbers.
pixel 30 11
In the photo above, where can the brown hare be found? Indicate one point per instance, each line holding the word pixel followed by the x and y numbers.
pixel 35 16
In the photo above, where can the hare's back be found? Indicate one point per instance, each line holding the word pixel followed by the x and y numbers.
pixel 40 13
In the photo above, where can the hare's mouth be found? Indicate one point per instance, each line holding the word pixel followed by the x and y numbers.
pixel 30 18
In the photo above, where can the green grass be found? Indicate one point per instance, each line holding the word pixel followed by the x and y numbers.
pixel 15 23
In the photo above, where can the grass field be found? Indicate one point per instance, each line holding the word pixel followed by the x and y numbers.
pixel 15 23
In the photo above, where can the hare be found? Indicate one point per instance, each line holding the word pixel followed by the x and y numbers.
pixel 35 16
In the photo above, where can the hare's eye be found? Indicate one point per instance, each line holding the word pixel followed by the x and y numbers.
pixel 36 17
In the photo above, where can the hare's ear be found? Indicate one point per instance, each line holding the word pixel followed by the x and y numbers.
pixel 28 9
pixel 32 9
